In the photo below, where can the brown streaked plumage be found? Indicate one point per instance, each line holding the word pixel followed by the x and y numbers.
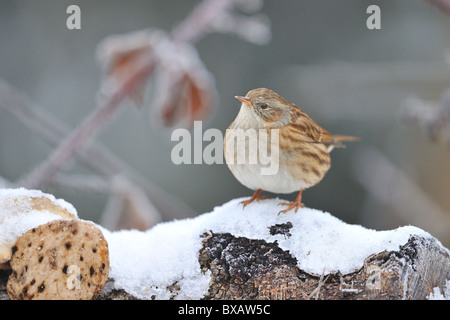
pixel 303 150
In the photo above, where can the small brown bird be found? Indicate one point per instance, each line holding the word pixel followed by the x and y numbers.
pixel 301 147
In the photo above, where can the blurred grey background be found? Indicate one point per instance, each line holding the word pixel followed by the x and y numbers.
pixel 321 56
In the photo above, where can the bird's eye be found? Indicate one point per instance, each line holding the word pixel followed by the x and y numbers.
pixel 263 106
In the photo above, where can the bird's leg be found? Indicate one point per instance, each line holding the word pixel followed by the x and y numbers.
pixel 256 196
pixel 291 205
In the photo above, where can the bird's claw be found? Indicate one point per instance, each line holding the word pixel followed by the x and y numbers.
pixel 290 206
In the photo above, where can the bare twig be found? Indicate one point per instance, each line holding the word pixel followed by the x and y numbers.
pixel 316 291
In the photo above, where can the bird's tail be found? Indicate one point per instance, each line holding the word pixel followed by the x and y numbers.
pixel 345 138
pixel 336 141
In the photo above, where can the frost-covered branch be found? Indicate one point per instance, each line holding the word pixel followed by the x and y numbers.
pixel 433 119
pixel 390 185
pixel 96 156
pixel 128 71
pixel 128 207
pixel 201 20
pixel 185 92
pixel 444 5
pixel 91 125
pixel 218 16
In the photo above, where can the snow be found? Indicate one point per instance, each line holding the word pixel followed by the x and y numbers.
pixel 17 215
pixel 436 294
pixel 162 262
pixel 145 263
pixel 14 201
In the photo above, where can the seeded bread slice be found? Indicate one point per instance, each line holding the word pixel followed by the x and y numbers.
pixel 21 210
pixel 63 259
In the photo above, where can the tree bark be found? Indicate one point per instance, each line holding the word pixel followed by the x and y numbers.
pixel 248 269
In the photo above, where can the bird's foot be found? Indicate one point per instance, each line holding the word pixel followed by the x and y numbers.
pixel 256 196
pixel 291 205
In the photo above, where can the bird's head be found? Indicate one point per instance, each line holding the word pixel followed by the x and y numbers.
pixel 267 107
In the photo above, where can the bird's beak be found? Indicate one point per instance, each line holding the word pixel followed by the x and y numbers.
pixel 245 100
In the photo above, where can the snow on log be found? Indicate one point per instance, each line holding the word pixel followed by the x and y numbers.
pixel 231 253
